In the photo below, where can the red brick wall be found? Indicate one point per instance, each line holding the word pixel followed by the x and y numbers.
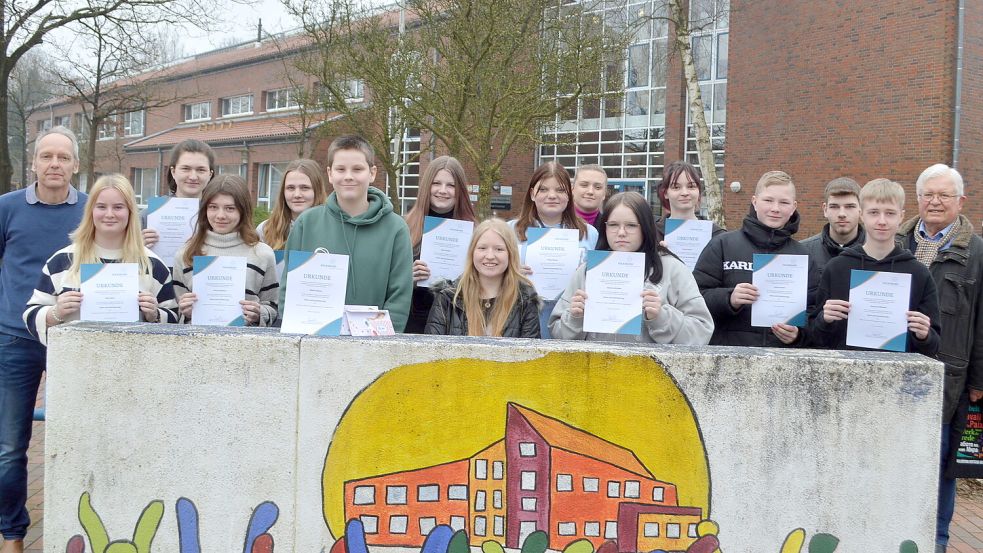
pixel 827 89
pixel 971 124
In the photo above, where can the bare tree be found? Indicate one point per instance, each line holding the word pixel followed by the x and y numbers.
pixel 107 84
pixel 481 76
pixel 31 84
pixel 682 28
pixel 26 24
pixel 364 65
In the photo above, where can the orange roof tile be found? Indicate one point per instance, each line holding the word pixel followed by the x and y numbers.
pixel 561 435
pixel 229 130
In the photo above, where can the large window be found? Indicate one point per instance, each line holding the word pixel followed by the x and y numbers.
pixel 145 184
pixel 232 169
pixel 202 111
pixel 284 98
pixel 624 130
pixel 133 123
pixel 237 105
pixel 268 186
pixel 64 121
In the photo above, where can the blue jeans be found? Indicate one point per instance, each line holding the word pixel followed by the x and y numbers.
pixel 947 492
pixel 22 361
pixel 544 319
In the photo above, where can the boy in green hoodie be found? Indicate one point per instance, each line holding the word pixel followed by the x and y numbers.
pixel 358 221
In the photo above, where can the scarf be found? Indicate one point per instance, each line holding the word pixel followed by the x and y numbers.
pixel 588 218
pixel 927 250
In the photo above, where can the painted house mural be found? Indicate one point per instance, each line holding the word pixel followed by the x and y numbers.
pixel 543 475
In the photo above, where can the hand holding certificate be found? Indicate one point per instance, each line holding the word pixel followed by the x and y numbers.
pixel 219 284
pixel 315 299
pixel 687 237
pixel 174 220
pixel 110 292
pixel 879 304
pixel 782 281
pixel 444 247
pixel 553 255
pixel 614 286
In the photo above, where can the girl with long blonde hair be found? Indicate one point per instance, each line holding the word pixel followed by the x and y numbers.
pixel 491 298
pixel 443 193
pixel 301 188
pixel 109 233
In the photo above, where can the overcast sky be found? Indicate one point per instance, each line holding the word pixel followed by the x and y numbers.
pixel 240 24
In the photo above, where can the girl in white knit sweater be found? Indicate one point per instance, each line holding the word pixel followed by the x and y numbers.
pixel 225 229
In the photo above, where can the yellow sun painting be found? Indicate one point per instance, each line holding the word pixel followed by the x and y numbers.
pixel 431 413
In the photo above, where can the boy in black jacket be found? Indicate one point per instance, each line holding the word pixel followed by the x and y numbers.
pixel 725 268
pixel 882 210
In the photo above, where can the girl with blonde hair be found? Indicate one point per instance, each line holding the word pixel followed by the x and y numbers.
pixel 301 188
pixel 491 298
pixel 109 233
pixel 443 193
pixel 225 229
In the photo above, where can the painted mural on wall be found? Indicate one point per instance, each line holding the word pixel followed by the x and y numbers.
pixel 531 456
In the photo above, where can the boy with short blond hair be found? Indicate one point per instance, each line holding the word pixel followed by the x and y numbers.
pixel 725 268
pixel 358 221
pixel 882 211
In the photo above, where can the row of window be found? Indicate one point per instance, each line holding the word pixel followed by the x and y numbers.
pixel 397 495
pixel 399 524
pixel 651 530
pixel 276 100
pixel 129 124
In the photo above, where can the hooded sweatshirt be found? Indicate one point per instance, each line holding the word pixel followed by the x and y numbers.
pixel 835 284
pixel 380 264
pixel 822 247
pixel 727 261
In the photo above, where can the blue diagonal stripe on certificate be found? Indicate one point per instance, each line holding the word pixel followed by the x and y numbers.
pixel 89 270
pixel 153 204
pixel 331 329
pixel 201 262
pixel 859 276
pixel 238 321
pixel 297 258
pixel 898 343
pixel 596 257
pixel 430 223
pixel 761 260
pixel 535 233
pixel 279 255
pixel 673 224
pixel 798 320
pixel 633 326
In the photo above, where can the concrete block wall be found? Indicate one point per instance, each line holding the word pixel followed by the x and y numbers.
pixel 259 431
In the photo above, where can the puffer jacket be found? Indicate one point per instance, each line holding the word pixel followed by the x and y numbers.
pixel 447 317
pixel 727 261
pixel 958 274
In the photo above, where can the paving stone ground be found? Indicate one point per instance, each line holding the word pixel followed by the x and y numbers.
pixel 966 530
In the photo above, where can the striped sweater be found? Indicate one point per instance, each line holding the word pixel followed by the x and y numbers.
pixel 261 277
pixel 54 280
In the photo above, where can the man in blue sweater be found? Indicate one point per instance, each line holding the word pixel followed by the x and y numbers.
pixel 34 224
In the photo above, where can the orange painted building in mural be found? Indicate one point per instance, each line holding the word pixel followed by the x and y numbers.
pixel 545 475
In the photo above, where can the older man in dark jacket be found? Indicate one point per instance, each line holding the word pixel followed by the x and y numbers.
pixel 943 239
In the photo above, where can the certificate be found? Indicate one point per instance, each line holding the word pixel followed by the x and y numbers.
pixel 687 237
pixel 444 248
pixel 878 317
pixel 783 289
pixel 315 299
pixel 614 292
pixel 553 255
pixel 174 220
pixel 110 292
pixel 220 284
